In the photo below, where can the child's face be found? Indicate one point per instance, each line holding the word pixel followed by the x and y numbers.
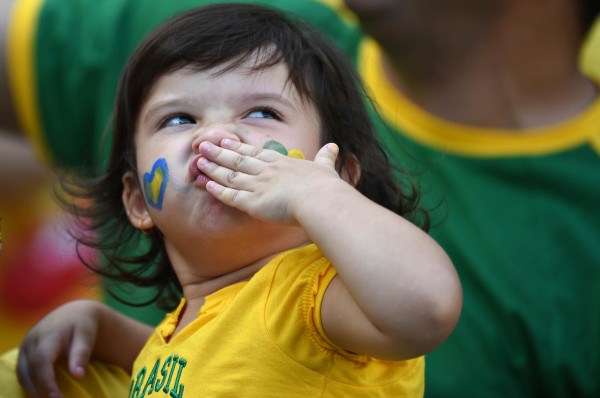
pixel 185 108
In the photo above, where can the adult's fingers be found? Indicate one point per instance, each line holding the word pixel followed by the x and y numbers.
pixel 24 377
pixel 82 344
pixel 35 369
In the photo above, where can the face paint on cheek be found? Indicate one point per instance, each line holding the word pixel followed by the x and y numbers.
pixel 278 147
pixel 155 183
pixel 296 153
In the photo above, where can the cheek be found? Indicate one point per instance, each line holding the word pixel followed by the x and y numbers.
pixel 306 150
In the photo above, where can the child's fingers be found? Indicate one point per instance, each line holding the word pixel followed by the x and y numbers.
pixel 229 196
pixel 262 154
pixel 223 175
pixel 243 162
pixel 327 155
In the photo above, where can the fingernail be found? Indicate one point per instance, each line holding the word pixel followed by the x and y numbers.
pixel 79 370
pixel 205 146
pixel 226 142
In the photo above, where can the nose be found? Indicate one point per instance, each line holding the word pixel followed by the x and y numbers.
pixel 214 134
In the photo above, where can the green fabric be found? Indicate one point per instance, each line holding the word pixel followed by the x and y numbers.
pixel 523 232
pixel 524 235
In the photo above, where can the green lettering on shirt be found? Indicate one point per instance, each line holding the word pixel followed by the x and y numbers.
pixel 173 364
pixel 155 383
pixel 152 378
pixel 138 383
pixel 163 372
pixel 177 390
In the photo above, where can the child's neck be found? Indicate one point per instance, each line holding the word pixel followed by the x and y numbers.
pixel 195 292
pixel 196 289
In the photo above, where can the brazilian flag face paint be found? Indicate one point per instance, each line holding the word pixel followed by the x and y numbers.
pixel 155 183
pixel 278 147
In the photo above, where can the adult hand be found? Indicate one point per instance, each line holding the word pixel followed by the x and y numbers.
pixel 68 332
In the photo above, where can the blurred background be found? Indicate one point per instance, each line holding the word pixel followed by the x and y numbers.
pixel 39 268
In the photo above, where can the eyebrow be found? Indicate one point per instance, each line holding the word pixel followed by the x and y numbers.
pixel 269 97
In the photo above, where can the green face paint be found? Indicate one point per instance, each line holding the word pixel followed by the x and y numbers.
pixel 278 147
pixel 275 146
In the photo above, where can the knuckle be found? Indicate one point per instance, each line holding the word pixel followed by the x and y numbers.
pixel 232 176
pixel 229 195
pixel 234 195
pixel 239 160
pixel 256 152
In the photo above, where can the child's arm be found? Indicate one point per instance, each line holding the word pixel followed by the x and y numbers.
pixel 78 331
pixel 397 294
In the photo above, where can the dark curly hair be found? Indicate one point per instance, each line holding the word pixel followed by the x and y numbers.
pixel 201 39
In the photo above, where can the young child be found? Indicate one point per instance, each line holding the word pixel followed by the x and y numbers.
pixel 244 161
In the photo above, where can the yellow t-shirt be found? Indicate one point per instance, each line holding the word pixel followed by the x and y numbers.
pixel 264 338
pixel 102 380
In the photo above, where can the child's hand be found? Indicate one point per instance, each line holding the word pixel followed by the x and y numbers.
pixel 67 332
pixel 264 183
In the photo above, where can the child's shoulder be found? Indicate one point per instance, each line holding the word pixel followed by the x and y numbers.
pixel 301 267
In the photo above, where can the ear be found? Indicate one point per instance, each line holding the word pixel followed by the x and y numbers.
pixel 351 172
pixel 135 203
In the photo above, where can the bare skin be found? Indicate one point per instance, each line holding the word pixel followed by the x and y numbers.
pixel 511 66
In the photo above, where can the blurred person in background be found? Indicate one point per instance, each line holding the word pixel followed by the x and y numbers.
pixel 485 101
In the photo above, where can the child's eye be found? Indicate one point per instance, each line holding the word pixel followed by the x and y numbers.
pixel 176 120
pixel 263 113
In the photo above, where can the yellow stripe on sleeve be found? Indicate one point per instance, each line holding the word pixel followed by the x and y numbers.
pixel 21 71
